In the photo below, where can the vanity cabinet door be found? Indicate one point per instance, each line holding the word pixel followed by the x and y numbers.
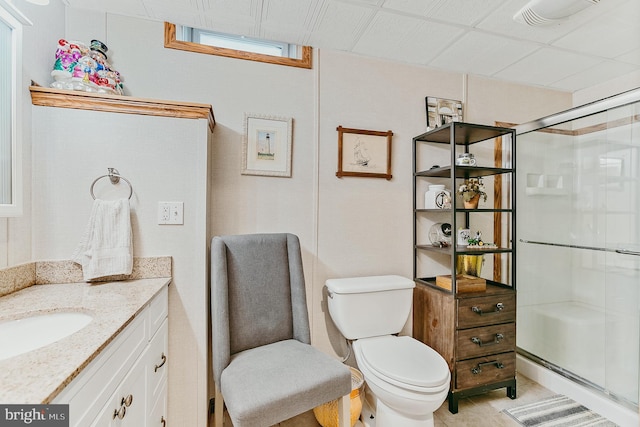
pixel 158 415
pixel 157 364
pixel 127 407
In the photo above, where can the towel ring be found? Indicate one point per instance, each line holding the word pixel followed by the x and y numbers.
pixel 114 176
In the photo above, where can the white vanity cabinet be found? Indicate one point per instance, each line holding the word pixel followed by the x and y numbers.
pixel 126 384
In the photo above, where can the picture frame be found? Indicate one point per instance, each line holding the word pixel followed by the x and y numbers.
pixel 441 111
pixel 364 153
pixel 267 145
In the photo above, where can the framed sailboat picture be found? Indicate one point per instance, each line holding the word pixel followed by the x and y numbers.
pixel 365 153
pixel 266 146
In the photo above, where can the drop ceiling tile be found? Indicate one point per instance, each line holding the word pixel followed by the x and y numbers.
pixel 464 12
pixel 133 7
pixel 597 74
pixel 192 5
pixel 405 38
pixel 369 2
pixel 286 20
pixel 339 24
pixel 230 7
pixel 632 57
pixel 176 14
pixel 240 17
pixel 546 66
pixel 481 53
pixel 414 7
pixel 610 35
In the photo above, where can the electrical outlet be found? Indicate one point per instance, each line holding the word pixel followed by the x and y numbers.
pixel 171 213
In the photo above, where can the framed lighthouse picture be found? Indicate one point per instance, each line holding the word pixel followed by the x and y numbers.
pixel 266 146
pixel 364 153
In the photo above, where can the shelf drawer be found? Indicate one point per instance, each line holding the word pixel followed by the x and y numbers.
pixel 485 311
pixel 485 340
pixel 485 370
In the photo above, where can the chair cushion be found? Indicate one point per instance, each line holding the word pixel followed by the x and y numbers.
pixel 269 384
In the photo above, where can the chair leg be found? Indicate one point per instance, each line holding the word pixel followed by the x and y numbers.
pixel 218 410
pixel 344 411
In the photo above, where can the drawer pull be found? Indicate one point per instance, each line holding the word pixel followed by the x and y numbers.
pixel 478 310
pixel 478 368
pixel 497 339
pixel 164 359
pixel 119 413
pixel 163 421
pixel 127 401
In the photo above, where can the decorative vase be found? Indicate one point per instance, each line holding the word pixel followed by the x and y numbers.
pixel 469 264
pixel 473 203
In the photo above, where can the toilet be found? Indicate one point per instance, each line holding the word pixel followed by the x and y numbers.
pixel 406 379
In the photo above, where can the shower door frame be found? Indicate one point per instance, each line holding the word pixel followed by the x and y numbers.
pixel 596 107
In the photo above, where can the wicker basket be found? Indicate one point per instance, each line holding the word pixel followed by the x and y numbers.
pixel 327 414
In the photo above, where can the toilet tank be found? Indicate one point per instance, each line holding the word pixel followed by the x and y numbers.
pixel 363 307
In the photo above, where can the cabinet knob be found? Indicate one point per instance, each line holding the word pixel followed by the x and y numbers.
pixel 119 413
pixel 163 421
pixel 164 359
pixel 127 401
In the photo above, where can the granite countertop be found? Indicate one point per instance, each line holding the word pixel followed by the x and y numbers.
pixel 38 376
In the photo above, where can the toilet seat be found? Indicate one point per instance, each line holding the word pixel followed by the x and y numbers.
pixel 404 362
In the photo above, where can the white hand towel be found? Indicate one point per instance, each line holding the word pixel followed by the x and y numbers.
pixel 106 248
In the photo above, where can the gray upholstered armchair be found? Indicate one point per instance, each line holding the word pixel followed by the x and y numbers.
pixel 263 363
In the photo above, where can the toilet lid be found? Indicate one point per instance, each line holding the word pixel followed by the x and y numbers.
pixel 405 360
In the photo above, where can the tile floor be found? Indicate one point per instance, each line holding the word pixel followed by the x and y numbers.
pixel 476 411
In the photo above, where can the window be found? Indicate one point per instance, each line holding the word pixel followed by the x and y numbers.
pixel 242 43
pixel 11 21
pixel 213 43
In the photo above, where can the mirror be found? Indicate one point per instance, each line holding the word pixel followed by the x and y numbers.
pixel 11 22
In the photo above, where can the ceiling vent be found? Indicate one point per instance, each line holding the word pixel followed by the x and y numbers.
pixel 546 12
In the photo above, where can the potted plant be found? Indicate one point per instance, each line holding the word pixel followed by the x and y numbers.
pixel 471 191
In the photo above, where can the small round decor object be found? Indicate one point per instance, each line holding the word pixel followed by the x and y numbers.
pixel 440 234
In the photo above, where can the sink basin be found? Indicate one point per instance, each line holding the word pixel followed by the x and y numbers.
pixel 29 333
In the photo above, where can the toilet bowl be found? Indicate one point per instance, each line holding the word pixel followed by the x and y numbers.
pixel 406 379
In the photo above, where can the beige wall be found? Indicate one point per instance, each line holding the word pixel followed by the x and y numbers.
pixel 347 227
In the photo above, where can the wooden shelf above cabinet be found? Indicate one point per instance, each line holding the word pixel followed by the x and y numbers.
pixel 48 97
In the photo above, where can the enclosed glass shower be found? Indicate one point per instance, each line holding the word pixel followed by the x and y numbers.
pixel 578 265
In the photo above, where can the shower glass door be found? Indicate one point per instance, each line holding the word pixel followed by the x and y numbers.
pixel 578 266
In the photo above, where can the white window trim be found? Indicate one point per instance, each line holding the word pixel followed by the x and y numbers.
pixel 15 19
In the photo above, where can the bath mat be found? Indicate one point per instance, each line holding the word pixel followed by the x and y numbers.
pixel 557 411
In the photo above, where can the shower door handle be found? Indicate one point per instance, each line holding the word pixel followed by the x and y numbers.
pixel 478 310
pixel 497 339
pixel 478 368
